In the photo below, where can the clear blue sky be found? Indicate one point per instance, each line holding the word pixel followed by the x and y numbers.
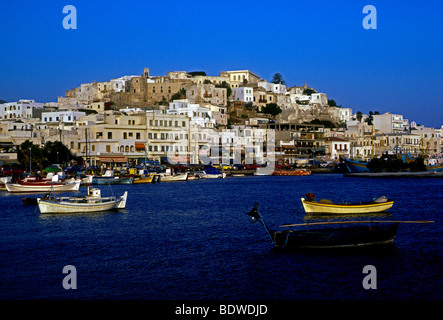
pixel 396 68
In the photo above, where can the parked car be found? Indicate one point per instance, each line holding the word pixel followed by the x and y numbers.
pixel 238 166
pixel 251 166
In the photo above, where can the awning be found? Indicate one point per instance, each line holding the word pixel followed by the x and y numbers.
pixel 113 159
pixel 139 146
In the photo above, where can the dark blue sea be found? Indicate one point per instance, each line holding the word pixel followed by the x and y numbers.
pixel 193 241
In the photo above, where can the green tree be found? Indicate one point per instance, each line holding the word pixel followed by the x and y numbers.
pixel 271 108
pixel 308 91
pixel 359 116
pixel 26 151
pixel 56 152
pixel 278 79
pixel 332 103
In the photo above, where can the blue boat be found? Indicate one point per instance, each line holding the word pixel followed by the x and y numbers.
pixel 359 166
pixel 356 166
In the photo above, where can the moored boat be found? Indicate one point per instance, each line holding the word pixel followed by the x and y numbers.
pixel 323 206
pixel 115 180
pixel 146 179
pixel 43 186
pixel 93 202
pixel 172 178
pixel 357 166
pixel 348 234
pixel 297 172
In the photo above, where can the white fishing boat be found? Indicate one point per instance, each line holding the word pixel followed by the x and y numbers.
pixel 169 177
pixel 93 202
pixel 87 180
pixel 43 186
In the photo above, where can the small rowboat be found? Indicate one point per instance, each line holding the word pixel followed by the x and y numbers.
pixel 43 186
pixel 348 234
pixel 299 172
pixel 327 207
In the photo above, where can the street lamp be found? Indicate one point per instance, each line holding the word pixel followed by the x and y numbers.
pixel 30 161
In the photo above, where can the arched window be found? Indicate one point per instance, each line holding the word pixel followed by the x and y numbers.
pixel 127 149
pixel 132 148
pixel 122 149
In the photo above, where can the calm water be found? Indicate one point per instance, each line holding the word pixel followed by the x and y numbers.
pixel 192 240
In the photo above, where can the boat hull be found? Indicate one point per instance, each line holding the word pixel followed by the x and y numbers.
pixel 127 180
pixel 312 207
pixel 143 180
pixel 178 177
pixel 291 173
pixel 355 166
pixel 214 175
pixel 343 237
pixel 12 187
pixel 78 207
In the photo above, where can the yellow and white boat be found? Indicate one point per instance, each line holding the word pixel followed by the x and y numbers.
pixel 327 207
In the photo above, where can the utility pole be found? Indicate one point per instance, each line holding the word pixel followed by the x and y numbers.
pixel 30 161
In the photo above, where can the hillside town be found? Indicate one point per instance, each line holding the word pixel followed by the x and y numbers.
pixel 191 117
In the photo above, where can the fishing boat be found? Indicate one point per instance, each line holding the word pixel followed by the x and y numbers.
pixel 172 178
pixel 4 181
pixel 43 186
pixel 93 202
pixel 298 172
pixel 339 234
pixel 360 166
pixel 115 180
pixel 146 179
pixel 324 206
pixel 356 166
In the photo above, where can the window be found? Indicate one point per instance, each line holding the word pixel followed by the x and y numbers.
pixel 109 135
pixel 125 135
pixel 108 148
pixel 137 135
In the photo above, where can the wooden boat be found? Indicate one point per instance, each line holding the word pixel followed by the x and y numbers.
pixel 172 178
pixel 298 172
pixel 115 180
pixel 327 207
pixel 355 165
pixel 349 234
pixel 46 186
pixel 93 202
pixel 146 179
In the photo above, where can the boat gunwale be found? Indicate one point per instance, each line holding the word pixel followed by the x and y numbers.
pixel 348 205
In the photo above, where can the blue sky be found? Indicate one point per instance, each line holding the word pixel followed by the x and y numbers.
pixel 397 67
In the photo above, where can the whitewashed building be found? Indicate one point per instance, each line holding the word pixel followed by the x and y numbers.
pixel 245 94
pixel 20 109
pixel 273 87
pixel 62 116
